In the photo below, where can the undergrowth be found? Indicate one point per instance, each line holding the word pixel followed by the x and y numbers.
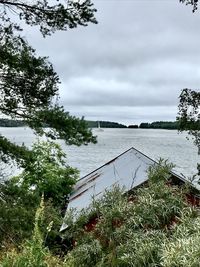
pixel 155 225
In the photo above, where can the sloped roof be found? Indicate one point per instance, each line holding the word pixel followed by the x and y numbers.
pixel 128 170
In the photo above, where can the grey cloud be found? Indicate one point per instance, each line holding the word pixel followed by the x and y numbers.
pixel 114 93
pixel 126 115
pixel 136 60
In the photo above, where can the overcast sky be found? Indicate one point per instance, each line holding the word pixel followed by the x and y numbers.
pixel 130 67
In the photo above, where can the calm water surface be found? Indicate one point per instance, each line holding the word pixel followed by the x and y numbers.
pixel 167 144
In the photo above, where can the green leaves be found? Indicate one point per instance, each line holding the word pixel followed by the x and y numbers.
pixel 51 17
pixel 161 172
pixel 28 91
pixel 152 226
pixel 194 3
pixel 28 83
pixel 189 116
pixel 32 253
pixel 189 110
pixel 10 151
pixel 62 126
pixel 48 173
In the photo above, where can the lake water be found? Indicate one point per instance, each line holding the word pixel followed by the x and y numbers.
pixel 167 144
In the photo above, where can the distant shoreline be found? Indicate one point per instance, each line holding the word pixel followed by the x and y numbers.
pixel 165 125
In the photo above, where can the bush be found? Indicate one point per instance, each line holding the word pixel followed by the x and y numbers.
pixel 32 253
pixel 47 172
pixel 152 226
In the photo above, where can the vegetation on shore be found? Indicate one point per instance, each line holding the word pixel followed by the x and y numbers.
pixel 189 116
pixel 104 124
pixel 90 124
pixel 169 125
pixel 46 174
pixel 156 224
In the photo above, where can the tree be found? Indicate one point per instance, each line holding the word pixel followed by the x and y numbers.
pixel 189 115
pixel 47 175
pixel 194 3
pixel 189 106
pixel 29 84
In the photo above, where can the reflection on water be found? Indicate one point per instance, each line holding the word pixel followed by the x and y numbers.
pixel 167 144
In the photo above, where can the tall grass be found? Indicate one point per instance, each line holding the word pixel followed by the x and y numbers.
pixel 32 253
pixel 152 226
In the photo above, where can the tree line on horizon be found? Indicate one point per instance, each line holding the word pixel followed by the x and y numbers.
pixel 170 125
pixel 103 124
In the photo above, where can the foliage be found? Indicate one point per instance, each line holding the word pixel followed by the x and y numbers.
pixel 189 115
pixel 46 173
pixel 105 124
pixel 28 83
pixel 33 253
pixel 59 16
pixel 194 3
pixel 170 125
pixel 10 151
pixel 91 124
pixel 11 123
pixel 182 249
pixel 17 210
pixel 153 226
pixel 133 126
pixel 189 111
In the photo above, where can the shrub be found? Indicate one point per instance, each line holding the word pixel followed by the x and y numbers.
pixel 32 253
pixel 48 173
pixel 152 226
